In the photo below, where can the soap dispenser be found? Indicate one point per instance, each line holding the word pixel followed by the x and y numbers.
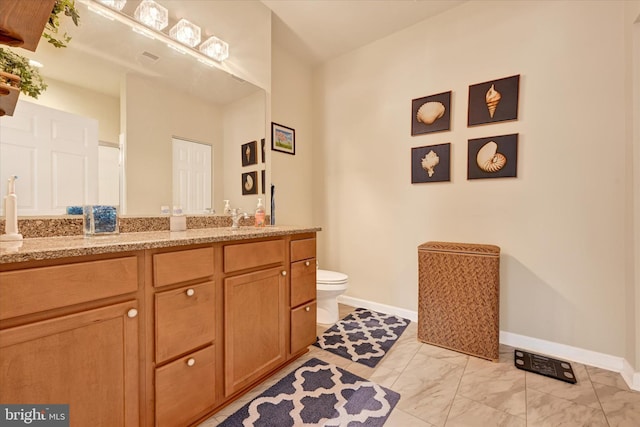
pixel 11 212
pixel 260 214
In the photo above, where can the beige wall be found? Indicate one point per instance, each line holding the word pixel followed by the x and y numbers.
pixel 152 119
pixel 561 223
pixel 291 106
pixel 77 100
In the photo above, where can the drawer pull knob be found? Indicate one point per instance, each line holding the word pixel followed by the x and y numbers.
pixel 191 361
pixel 132 313
pixel 190 292
pixel 284 273
pixel 307 308
pixel 306 263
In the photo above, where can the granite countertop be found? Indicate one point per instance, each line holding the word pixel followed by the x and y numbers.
pixel 69 246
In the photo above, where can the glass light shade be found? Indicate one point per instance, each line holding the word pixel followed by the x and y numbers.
pixel 186 32
pixel 114 4
pixel 215 48
pixel 152 14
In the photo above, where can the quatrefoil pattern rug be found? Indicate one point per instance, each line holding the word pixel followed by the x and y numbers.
pixel 317 394
pixel 363 336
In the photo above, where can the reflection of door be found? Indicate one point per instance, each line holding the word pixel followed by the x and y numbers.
pixel 108 175
pixel 191 176
pixel 55 156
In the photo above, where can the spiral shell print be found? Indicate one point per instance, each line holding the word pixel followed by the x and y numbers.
pixel 488 158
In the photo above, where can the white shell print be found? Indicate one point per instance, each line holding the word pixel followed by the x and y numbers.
pixel 492 98
pixel 429 162
pixel 488 158
pixel 429 112
pixel 248 184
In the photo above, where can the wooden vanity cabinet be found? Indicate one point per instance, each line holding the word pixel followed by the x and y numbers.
pixel 72 337
pixel 255 322
pixel 183 298
pixel 303 306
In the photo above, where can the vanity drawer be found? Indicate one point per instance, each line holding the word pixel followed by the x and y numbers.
pixel 250 255
pixel 44 288
pixel 303 249
pixel 185 319
pixel 185 388
pixel 181 266
pixel 303 281
pixel 303 327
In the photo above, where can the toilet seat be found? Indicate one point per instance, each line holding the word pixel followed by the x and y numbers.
pixel 331 280
pixel 327 277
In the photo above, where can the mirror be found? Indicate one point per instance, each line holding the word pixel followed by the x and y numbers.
pixel 143 94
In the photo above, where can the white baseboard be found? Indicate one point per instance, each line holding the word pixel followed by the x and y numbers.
pixel 560 351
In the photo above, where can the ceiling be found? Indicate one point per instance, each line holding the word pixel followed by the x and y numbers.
pixel 313 30
pixel 318 30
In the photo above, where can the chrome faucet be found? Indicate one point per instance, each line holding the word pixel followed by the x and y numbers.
pixel 235 217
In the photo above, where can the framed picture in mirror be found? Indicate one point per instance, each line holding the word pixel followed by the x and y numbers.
pixel 283 139
pixel 249 154
pixel 264 156
pixel 250 183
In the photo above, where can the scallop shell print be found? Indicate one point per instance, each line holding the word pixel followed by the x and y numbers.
pixel 488 158
pixel 492 99
pixel 429 112
pixel 429 162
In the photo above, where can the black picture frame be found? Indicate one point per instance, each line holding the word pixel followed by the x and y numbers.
pixel 249 153
pixel 262 180
pixel 250 183
pixel 493 157
pixel 283 139
pixel 262 146
pixel 431 114
pixel 487 105
pixel 423 168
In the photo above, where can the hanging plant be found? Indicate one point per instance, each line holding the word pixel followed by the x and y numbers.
pixel 68 7
pixel 31 82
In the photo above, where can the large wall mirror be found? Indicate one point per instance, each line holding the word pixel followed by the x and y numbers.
pixel 144 95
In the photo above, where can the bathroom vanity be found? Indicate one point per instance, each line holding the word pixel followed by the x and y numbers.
pixel 153 328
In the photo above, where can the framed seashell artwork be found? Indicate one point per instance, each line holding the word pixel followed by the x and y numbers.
pixel 264 155
pixel 493 157
pixel 431 113
pixel 493 101
pixel 250 183
pixel 249 153
pixel 431 163
pixel 283 139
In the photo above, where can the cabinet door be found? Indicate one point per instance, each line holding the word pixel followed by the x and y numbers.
pixel 303 282
pixel 255 324
pixel 88 360
pixel 303 327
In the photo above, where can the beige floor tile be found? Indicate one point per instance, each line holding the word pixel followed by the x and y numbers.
pixel 399 418
pixel 621 407
pixel 469 413
pixel 602 376
pixel 497 385
pixel 427 387
pixel 545 410
pixel 444 354
pixel 582 392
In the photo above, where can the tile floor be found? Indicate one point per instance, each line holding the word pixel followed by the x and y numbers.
pixel 439 387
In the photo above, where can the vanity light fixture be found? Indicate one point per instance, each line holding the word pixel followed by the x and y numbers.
pixel 186 32
pixel 152 15
pixel 114 4
pixel 211 52
pixel 215 48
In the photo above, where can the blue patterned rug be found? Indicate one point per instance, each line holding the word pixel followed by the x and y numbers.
pixel 363 336
pixel 318 394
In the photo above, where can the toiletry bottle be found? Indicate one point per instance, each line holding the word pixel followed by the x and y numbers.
pixel 11 212
pixel 260 214
pixel 227 208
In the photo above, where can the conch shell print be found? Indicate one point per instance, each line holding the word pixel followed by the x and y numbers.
pixel 429 162
pixel 248 184
pixel 492 98
pixel 488 158
pixel 429 112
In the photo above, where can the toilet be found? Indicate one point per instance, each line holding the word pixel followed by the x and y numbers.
pixel 329 285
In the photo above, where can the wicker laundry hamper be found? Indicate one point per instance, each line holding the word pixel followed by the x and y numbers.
pixel 459 297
